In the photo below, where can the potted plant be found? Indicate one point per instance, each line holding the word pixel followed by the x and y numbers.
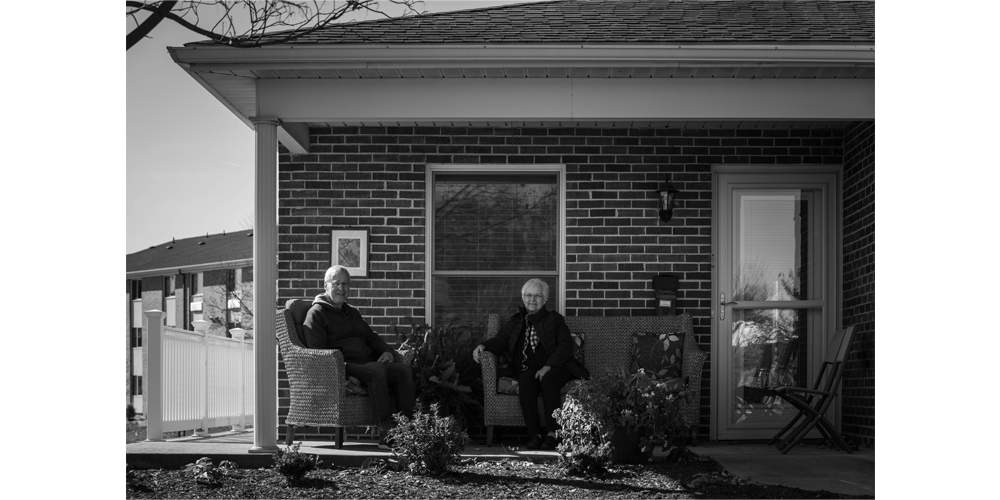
pixel 444 370
pixel 617 416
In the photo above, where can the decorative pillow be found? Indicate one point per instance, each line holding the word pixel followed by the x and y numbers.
pixel 579 342
pixel 354 388
pixel 658 353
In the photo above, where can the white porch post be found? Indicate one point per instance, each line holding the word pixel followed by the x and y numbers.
pixel 265 296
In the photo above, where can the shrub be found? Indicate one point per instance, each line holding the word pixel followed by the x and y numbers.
pixel 206 473
pixel 636 401
pixel 292 464
pixel 129 413
pixel 428 443
pixel 584 450
pixel 444 370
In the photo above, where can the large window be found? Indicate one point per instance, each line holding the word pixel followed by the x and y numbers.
pixel 492 229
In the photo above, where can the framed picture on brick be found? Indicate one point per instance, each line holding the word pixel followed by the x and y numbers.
pixel 349 248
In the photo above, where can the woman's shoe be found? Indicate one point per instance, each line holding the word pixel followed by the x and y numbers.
pixel 535 443
pixel 549 443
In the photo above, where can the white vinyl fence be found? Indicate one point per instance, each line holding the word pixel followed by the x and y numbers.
pixel 196 381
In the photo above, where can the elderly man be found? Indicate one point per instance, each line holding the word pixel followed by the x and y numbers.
pixel 333 324
pixel 540 348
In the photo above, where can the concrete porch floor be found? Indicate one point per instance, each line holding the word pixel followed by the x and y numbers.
pixel 807 466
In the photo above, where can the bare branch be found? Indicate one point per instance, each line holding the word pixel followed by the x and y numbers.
pixel 269 22
pixel 143 29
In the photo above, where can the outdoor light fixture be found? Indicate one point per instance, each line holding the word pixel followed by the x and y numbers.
pixel 667 193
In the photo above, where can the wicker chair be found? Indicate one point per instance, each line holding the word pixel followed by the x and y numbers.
pixel 608 345
pixel 316 378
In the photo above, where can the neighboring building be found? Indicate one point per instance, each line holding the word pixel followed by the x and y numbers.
pixel 202 278
pixel 482 147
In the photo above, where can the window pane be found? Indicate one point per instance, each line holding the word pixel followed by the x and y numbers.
pixel 495 222
pixel 779 244
pixel 470 300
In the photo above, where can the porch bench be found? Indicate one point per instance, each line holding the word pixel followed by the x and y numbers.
pixel 607 345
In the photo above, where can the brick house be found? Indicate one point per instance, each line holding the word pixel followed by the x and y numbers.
pixel 558 122
pixel 201 278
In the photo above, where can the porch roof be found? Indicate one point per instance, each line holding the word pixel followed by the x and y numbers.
pixel 560 63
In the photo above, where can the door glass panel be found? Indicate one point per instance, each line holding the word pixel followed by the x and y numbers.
pixel 768 348
pixel 778 243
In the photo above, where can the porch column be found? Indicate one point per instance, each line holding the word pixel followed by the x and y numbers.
pixel 265 270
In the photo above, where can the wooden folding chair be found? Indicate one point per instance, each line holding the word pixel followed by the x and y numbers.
pixel 812 404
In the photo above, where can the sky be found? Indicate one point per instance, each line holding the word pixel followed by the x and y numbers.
pixel 189 159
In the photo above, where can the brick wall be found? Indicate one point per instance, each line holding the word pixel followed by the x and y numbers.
pixel 374 177
pixel 859 281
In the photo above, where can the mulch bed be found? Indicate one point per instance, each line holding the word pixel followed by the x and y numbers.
pixel 696 478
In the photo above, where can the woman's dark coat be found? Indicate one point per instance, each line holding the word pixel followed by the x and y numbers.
pixel 552 332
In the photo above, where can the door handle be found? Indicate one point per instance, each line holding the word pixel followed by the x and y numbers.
pixel 722 305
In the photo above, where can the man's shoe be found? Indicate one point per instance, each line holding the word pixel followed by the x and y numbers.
pixel 549 443
pixel 535 443
pixel 385 443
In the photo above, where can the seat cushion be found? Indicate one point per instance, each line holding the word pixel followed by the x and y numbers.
pixel 658 353
pixel 507 385
pixel 354 388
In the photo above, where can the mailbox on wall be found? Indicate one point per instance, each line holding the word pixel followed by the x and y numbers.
pixel 665 286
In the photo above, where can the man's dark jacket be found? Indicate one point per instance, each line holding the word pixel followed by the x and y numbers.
pixel 552 332
pixel 330 327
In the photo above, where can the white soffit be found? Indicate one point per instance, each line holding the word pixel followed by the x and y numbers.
pixel 569 99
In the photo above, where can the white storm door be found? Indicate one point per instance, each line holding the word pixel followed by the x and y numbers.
pixel 775 291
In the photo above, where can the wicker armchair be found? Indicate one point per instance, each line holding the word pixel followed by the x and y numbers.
pixel 316 378
pixel 608 344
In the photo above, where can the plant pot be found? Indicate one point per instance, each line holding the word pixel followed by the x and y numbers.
pixel 625 446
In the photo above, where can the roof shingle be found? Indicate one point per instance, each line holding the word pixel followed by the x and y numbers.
pixel 622 21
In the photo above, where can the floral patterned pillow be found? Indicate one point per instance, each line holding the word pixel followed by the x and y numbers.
pixel 658 353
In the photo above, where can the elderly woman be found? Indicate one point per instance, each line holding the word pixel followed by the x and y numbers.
pixel 539 346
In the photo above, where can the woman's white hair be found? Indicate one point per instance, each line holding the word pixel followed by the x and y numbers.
pixel 540 284
pixel 331 274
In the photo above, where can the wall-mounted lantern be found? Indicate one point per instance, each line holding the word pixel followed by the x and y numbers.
pixel 666 193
